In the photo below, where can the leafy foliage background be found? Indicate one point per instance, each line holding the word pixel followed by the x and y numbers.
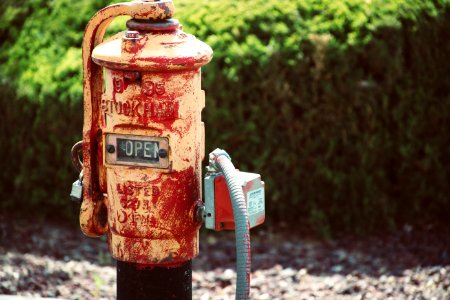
pixel 342 106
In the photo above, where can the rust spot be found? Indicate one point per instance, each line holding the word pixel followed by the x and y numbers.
pixel 102 215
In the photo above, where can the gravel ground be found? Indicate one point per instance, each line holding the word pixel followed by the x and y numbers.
pixel 53 260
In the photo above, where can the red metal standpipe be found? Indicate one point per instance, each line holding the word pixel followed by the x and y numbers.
pixel 143 143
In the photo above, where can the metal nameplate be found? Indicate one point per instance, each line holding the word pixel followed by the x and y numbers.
pixel 137 150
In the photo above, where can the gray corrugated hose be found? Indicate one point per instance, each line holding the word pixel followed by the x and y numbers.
pixel 220 160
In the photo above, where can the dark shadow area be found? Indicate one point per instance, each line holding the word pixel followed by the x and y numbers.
pixel 51 258
pixel 389 254
pixel 59 240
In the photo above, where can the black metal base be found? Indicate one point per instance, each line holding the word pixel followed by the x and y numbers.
pixel 140 282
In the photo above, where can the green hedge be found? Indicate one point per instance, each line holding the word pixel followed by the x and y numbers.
pixel 40 103
pixel 342 106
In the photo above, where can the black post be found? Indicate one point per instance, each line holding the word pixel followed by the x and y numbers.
pixel 140 282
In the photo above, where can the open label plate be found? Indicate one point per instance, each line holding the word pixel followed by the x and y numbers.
pixel 137 150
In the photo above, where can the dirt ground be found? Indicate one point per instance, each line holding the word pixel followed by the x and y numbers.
pixel 54 260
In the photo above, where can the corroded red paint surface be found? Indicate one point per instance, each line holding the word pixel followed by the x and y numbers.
pixel 173 50
pixel 160 210
pixel 151 212
pixel 139 104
